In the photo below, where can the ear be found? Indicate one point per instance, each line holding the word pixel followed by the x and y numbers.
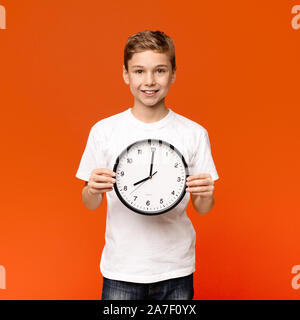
pixel 173 77
pixel 125 75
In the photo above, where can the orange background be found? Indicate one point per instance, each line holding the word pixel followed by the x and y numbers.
pixel 238 76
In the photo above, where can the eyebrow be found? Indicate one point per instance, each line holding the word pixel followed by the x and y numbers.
pixel 159 65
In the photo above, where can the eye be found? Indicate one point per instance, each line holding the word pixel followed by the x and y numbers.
pixel 139 71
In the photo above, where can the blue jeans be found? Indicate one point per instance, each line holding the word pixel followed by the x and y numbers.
pixel 172 289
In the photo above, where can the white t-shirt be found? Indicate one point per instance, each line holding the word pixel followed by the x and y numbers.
pixel 140 248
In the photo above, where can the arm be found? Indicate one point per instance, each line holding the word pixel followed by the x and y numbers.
pixel 202 205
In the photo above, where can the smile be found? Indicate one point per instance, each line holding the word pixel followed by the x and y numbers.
pixel 149 93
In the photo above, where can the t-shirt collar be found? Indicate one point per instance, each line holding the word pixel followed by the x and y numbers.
pixel 153 125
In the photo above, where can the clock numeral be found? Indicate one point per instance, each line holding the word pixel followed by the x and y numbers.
pixel 178 179
pixel 139 151
pixel 176 165
pixel 125 188
pixel 166 154
pixel 135 198
pixel 161 200
pixel 148 203
pixel 122 173
pixel 173 192
pixel 129 160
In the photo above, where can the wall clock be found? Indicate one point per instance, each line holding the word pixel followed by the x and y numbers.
pixel 150 176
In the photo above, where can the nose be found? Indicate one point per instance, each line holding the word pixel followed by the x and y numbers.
pixel 150 79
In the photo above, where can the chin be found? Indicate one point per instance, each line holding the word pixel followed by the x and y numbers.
pixel 149 104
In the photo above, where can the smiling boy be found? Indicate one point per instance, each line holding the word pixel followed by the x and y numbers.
pixel 148 257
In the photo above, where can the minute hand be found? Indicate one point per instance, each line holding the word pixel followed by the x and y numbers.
pixel 151 165
pixel 144 179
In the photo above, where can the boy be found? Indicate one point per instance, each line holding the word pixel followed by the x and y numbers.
pixel 147 257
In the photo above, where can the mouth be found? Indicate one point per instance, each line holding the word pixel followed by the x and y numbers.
pixel 149 93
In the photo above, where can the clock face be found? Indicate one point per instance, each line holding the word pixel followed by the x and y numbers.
pixel 150 176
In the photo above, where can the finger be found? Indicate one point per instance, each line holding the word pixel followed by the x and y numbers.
pixel 98 185
pixel 200 189
pixel 203 194
pixel 101 178
pixel 199 176
pixel 204 182
pixel 99 191
pixel 106 171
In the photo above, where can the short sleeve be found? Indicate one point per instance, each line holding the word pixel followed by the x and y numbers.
pixel 202 161
pixel 91 158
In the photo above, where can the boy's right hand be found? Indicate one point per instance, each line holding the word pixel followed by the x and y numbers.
pixel 101 180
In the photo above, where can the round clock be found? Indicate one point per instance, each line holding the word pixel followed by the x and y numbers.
pixel 150 176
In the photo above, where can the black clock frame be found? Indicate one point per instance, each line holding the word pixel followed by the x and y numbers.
pixel 162 210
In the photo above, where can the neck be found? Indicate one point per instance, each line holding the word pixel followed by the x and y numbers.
pixel 149 114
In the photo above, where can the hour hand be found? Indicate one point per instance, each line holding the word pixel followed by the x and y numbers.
pixel 141 181
pixel 144 179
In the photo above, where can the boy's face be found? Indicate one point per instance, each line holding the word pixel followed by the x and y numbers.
pixel 149 70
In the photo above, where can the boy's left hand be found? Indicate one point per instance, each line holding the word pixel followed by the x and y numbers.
pixel 200 184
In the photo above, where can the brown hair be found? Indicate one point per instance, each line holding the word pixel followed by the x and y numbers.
pixel 149 40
